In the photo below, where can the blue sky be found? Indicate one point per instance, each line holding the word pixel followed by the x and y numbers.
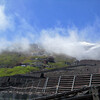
pixel 60 26
pixel 29 17
pixel 49 13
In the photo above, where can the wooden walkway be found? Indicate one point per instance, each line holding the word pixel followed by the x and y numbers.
pixel 87 93
pixel 53 85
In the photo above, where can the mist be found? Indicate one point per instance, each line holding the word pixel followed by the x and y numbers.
pixel 73 44
pixel 14 37
pixel 81 43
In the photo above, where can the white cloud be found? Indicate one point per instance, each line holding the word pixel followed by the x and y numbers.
pixel 19 46
pixel 4 19
pixel 74 44
pixel 21 34
pixel 70 41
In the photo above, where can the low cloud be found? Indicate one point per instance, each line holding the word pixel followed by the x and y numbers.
pixel 14 36
pixel 75 44
pixel 4 19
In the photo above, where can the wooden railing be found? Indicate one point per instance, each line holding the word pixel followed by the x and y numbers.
pixel 54 85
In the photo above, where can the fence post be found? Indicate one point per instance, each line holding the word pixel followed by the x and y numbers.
pixel 58 85
pixel 73 83
pixel 90 80
pixel 45 85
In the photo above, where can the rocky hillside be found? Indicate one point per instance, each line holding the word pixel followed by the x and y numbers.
pixel 36 59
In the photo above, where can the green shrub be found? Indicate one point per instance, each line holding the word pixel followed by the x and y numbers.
pixel 10 59
pixel 49 68
pixel 58 64
pixel 16 70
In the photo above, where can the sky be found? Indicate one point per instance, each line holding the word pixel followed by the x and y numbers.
pixel 34 21
pixel 49 13
pixel 44 14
